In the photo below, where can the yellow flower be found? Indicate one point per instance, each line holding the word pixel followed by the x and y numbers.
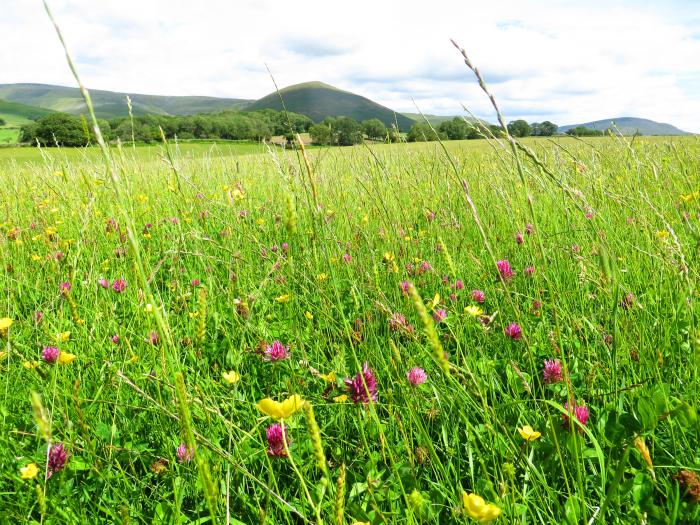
pixel 29 365
pixel 434 302
pixel 388 256
pixel 149 308
pixel 322 277
pixel 340 399
pixel 330 376
pixel 5 323
pixel 662 234
pixel 360 523
pixel 66 358
pixel 29 471
pixel 309 315
pixel 528 434
pixel 35 258
pixel 62 337
pixel 260 221
pixel 282 298
pixel 232 377
pixel 690 197
pixel 473 310
pixel 478 509
pixel 2 355
pixel 282 410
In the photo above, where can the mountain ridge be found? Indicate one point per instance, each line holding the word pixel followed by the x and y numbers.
pixel 629 125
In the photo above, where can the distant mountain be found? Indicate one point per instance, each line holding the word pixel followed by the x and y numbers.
pixel 630 126
pixel 16 115
pixel 317 101
pixel 110 104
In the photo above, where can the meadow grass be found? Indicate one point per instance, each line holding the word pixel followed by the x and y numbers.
pixel 232 252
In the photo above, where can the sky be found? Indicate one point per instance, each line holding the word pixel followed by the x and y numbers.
pixel 563 61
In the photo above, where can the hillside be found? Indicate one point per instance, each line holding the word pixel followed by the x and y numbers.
pixel 630 126
pixel 15 114
pixel 317 100
pixel 110 104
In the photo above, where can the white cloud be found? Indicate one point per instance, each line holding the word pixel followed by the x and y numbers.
pixel 558 60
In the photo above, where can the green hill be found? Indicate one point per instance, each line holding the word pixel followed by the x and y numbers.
pixel 629 126
pixel 15 114
pixel 110 104
pixel 317 101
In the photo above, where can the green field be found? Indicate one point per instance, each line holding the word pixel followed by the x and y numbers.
pixel 144 153
pixel 566 394
pixel 9 135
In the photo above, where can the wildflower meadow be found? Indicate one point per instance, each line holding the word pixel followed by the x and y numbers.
pixel 493 331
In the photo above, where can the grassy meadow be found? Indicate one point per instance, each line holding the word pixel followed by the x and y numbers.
pixel 456 340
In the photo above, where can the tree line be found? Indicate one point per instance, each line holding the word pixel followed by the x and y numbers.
pixel 68 130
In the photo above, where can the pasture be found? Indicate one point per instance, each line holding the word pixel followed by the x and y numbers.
pixel 446 325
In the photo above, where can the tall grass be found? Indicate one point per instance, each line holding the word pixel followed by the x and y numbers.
pixel 224 255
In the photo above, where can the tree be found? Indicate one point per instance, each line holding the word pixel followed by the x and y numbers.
pixel 458 129
pixel 60 128
pixel 394 134
pixel 519 128
pixel 374 129
pixel 544 129
pixel 348 131
pixel 27 133
pixel 583 131
pixel 320 134
pixel 422 132
pixel 2 122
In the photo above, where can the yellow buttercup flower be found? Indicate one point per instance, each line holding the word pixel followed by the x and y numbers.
pixel 528 434
pixel 282 298
pixel 434 302
pixel 5 323
pixel 322 277
pixel 29 365
pixel 66 358
pixel 2 355
pixel 473 310
pixel 281 410
pixel 29 471
pixel 62 337
pixel 662 234
pixel 309 315
pixel 149 308
pixel 340 399
pixel 232 377
pixel 330 376
pixel 480 510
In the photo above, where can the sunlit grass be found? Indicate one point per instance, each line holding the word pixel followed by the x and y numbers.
pixel 237 256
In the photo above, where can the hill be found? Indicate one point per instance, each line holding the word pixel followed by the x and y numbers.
pixel 15 114
pixel 317 101
pixel 110 104
pixel 630 126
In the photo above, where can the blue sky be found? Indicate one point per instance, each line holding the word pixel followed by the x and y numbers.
pixel 562 61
